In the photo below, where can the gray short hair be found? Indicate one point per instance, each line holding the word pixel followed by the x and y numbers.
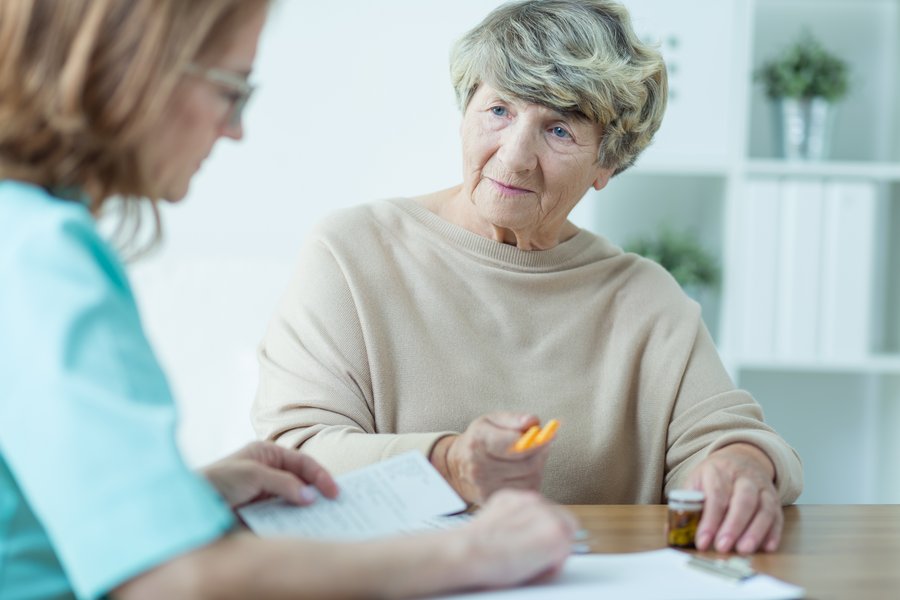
pixel 574 56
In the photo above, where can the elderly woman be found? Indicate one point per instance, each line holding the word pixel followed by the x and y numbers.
pixel 453 321
pixel 126 97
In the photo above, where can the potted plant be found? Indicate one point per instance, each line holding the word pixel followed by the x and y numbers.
pixel 804 82
pixel 679 252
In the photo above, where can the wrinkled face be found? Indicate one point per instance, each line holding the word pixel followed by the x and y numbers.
pixel 525 165
pixel 200 112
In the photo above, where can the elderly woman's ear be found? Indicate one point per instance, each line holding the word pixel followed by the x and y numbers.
pixel 603 178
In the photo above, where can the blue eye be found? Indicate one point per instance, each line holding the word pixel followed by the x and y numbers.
pixel 560 132
pixel 499 111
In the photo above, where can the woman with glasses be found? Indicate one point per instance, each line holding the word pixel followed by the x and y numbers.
pixel 126 98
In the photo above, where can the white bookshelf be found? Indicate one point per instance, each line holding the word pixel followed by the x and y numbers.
pixel 715 145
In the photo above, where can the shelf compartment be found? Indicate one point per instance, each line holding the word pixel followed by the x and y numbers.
pixel 862 33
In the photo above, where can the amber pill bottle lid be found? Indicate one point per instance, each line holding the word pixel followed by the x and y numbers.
pixel 686 499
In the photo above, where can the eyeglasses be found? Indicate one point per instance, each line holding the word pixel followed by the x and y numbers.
pixel 240 89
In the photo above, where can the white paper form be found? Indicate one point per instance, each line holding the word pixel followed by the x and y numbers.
pixel 394 496
pixel 656 575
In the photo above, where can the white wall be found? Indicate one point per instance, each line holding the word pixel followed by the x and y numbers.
pixel 354 104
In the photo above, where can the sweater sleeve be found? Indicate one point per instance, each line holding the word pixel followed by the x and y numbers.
pixel 315 388
pixel 710 413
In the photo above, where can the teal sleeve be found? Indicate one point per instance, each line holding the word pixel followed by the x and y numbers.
pixel 88 424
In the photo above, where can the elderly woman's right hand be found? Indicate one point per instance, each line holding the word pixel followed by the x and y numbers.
pixel 518 537
pixel 481 461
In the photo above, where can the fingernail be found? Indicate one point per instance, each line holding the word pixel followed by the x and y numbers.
pixel 703 540
pixel 308 495
pixel 723 544
pixel 746 546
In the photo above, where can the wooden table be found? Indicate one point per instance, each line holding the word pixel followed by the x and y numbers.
pixel 834 551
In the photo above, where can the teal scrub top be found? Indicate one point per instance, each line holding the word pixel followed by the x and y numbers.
pixel 93 490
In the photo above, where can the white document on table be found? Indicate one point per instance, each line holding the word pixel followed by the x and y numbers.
pixel 403 494
pixel 655 575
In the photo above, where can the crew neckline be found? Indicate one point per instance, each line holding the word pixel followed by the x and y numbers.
pixel 505 255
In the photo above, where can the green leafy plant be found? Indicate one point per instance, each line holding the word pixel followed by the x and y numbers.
pixel 681 255
pixel 804 70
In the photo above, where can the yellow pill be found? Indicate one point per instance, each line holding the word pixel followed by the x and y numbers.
pixel 546 434
pixel 524 442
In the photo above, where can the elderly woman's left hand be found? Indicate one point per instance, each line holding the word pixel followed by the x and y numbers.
pixel 742 510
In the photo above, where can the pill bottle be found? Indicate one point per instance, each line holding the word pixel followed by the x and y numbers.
pixel 685 510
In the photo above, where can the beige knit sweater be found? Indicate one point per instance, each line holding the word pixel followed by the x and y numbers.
pixel 399 327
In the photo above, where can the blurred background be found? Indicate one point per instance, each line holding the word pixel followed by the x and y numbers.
pixel 793 260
